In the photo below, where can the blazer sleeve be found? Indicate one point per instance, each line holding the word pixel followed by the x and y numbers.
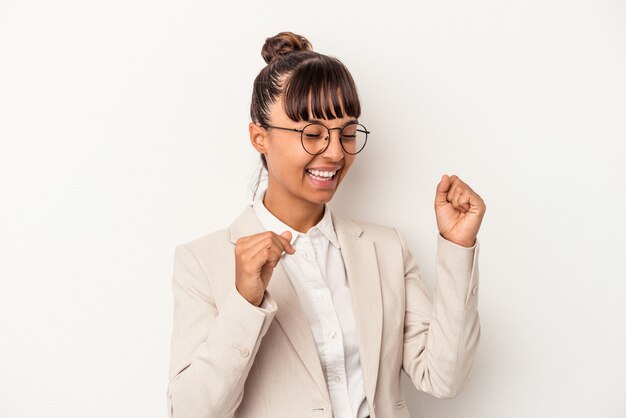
pixel 212 350
pixel 441 337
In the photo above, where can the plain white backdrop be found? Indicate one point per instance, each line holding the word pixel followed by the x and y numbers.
pixel 123 129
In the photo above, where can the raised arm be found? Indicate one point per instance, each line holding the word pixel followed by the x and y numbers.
pixel 441 337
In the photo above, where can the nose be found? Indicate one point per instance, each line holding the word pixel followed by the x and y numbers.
pixel 334 150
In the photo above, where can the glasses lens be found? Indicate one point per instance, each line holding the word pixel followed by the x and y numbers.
pixel 353 137
pixel 314 138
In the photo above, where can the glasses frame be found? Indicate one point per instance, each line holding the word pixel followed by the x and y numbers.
pixel 301 131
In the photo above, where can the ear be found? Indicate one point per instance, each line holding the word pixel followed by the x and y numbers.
pixel 258 136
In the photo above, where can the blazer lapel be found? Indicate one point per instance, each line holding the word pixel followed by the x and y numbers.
pixel 289 313
pixel 359 256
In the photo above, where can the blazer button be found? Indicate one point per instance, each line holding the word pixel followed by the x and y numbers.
pixel 244 352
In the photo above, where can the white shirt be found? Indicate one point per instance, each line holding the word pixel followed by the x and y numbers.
pixel 318 275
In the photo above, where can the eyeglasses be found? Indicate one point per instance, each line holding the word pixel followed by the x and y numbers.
pixel 315 137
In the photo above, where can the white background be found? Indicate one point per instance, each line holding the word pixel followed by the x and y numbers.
pixel 123 129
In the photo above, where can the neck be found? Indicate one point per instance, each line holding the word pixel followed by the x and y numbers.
pixel 296 213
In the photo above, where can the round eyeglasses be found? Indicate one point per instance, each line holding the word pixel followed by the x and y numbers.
pixel 315 137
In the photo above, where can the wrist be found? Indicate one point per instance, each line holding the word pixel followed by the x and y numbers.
pixel 462 243
pixel 253 301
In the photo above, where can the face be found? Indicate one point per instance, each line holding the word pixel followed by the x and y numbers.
pixel 289 165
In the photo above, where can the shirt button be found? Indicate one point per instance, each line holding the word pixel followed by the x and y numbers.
pixel 244 352
pixel 333 335
pixel 337 379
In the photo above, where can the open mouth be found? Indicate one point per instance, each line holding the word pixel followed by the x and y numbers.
pixel 322 175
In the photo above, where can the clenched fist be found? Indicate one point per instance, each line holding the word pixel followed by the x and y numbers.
pixel 459 211
pixel 255 258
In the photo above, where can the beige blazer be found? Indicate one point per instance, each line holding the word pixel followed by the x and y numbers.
pixel 232 359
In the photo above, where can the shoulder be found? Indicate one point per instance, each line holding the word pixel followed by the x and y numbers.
pixel 216 242
pixel 376 232
pixel 214 251
pixel 209 240
pixel 200 253
pixel 382 241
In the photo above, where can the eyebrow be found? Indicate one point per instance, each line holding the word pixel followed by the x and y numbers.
pixel 319 121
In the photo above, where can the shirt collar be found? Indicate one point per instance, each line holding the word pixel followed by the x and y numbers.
pixel 272 223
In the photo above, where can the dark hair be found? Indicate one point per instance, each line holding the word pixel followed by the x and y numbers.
pixel 312 84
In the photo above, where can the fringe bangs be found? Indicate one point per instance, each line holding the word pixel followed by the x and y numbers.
pixel 321 88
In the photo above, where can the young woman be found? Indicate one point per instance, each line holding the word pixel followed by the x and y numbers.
pixel 294 311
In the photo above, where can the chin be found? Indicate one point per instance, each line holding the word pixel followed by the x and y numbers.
pixel 322 197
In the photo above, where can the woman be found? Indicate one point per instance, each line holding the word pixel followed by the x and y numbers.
pixel 294 311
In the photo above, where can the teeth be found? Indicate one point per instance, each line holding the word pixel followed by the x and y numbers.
pixel 322 173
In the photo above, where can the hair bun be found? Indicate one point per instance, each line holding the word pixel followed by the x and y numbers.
pixel 282 44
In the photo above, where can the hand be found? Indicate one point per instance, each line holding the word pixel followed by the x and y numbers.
pixel 255 258
pixel 459 211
